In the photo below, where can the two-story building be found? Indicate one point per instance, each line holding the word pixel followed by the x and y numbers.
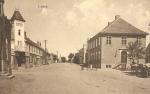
pixel 34 53
pixel 108 48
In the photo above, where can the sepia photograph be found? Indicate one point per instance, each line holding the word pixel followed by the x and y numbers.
pixel 74 46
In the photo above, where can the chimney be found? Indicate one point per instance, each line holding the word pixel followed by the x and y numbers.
pixel 117 17
pixel 25 34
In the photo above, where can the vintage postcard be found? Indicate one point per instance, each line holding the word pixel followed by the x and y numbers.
pixel 74 47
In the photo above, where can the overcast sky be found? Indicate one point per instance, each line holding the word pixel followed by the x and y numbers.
pixel 67 24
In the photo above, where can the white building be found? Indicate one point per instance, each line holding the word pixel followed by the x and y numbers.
pixel 18 38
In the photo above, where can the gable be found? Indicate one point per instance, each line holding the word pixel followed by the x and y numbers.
pixel 121 27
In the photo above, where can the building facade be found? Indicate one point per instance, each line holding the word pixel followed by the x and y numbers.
pixel 18 39
pixel 108 48
pixel 5 39
pixel 24 51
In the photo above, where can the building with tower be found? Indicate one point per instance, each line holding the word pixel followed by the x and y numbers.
pixel 18 38
pixel 24 51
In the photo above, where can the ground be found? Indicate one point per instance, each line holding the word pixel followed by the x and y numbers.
pixel 65 78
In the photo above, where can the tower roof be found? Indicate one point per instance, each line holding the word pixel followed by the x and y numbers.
pixel 17 16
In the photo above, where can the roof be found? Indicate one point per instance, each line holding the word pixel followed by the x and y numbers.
pixel 28 40
pixel 121 27
pixel 17 16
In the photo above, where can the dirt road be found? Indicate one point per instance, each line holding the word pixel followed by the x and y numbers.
pixel 64 78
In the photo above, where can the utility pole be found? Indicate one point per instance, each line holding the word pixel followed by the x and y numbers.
pixel 45 41
pixel 57 56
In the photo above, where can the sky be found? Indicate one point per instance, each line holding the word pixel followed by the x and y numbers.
pixel 67 24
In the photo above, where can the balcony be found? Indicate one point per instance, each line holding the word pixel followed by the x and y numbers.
pixel 19 48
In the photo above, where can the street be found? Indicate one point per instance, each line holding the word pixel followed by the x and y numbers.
pixel 65 78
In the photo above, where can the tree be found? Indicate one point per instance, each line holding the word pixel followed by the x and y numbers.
pixel 135 51
pixel 76 58
pixel 63 59
pixel 55 58
pixel 70 56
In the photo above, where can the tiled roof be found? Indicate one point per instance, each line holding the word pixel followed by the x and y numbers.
pixel 17 16
pixel 121 27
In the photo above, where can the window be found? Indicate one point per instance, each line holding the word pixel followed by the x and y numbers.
pixel 108 40
pixel 139 40
pixel 93 43
pixel 19 32
pixel 19 24
pixel 19 43
pixel 96 55
pixel 96 42
pixel 88 45
pixel 99 40
pixel 124 41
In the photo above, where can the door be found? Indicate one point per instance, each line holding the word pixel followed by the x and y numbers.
pixel 123 59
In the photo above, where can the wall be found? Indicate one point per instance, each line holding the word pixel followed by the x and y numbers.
pixel 17 38
pixel 111 54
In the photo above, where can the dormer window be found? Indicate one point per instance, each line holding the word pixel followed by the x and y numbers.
pixel 19 32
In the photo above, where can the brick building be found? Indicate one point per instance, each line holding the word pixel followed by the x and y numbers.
pixel 108 48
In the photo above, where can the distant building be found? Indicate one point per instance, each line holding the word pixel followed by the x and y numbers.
pixel 108 48
pixel 83 55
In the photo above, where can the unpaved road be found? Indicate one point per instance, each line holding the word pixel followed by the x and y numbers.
pixel 65 78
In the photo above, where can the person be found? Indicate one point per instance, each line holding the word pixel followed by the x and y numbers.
pixel 82 67
pixel 91 66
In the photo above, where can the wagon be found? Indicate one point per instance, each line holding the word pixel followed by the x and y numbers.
pixel 142 70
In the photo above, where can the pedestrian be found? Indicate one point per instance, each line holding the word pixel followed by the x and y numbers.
pixel 82 67
pixel 91 66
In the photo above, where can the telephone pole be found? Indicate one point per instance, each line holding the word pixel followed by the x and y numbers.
pixel 45 41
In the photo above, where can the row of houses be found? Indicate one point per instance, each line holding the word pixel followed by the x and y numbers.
pixel 24 51
pixel 16 48
pixel 108 48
